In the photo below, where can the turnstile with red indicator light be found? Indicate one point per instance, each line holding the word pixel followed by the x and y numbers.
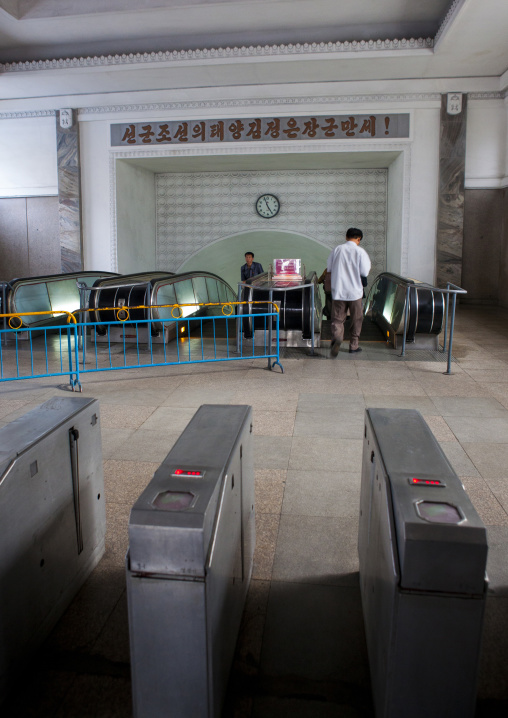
pixel 423 555
pixel 191 545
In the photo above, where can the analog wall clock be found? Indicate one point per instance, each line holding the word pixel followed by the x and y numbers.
pixel 267 206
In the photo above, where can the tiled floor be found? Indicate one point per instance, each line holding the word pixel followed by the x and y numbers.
pixel 301 651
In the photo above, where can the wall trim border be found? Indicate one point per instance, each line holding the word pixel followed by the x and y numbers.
pixel 226 53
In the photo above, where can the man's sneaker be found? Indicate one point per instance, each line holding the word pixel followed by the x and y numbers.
pixel 355 351
pixel 335 348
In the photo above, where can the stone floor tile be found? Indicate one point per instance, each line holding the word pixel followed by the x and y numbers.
pixel 150 446
pixel 125 480
pixel 322 493
pixel 493 430
pixel 499 487
pixel 117 538
pixel 461 461
pixel 329 454
pixel 115 416
pixel 485 501
pixel 490 460
pixel 447 387
pixel 269 485
pixel 250 638
pixel 271 452
pixel 87 616
pixel 186 396
pixel 267 528
pixel 279 400
pixel 330 422
pixel 469 406
pixel 392 388
pixel 171 419
pixel 324 400
pixel 317 550
pixel 440 428
pixel 273 423
pixel 9 406
pixel 112 439
pixel 421 403
pixel 298 613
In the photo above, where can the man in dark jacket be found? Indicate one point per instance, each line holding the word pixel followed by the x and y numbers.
pixel 250 268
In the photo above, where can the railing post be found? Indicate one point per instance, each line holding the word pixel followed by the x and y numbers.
pixel 312 320
pixel 73 371
pixel 239 320
pixel 4 335
pixel 446 316
pixel 406 314
pixel 452 323
pixel 269 330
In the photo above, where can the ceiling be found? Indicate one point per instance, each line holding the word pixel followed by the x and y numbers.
pixel 469 35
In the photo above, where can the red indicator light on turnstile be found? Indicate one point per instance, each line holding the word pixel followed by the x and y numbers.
pixel 414 481
pixel 186 472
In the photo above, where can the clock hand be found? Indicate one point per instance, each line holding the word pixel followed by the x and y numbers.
pixel 267 205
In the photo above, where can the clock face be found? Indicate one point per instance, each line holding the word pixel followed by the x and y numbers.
pixel 267 206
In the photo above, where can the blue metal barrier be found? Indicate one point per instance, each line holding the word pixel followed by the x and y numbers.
pixel 37 353
pixel 89 347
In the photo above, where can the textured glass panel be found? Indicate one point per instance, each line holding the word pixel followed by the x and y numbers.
pixel 166 295
pixel 185 295
pixel 213 294
pixel 32 298
pixel 200 289
pixel 64 295
pixel 222 292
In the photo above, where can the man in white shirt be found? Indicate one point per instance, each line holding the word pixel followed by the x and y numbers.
pixel 348 263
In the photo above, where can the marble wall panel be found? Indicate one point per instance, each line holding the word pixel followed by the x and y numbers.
pixel 69 194
pixel 29 237
pixel 503 267
pixel 13 238
pixel 43 236
pixel 452 156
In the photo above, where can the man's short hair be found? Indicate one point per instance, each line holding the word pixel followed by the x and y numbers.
pixel 353 233
pixel 252 253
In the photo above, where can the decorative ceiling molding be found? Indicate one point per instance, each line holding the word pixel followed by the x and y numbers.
pixel 27 113
pixel 256 102
pixel 486 95
pixel 448 19
pixel 267 101
pixel 221 53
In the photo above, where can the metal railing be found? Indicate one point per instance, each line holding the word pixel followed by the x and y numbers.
pixel 451 289
pixel 87 347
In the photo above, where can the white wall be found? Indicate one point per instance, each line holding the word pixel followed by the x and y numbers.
pixel 135 211
pixel 98 207
pixel 28 166
pixel 486 147
pixel 423 198
pixel 394 227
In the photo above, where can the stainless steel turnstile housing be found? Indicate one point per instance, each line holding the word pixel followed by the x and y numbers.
pixel 191 544
pixel 423 555
pixel 52 520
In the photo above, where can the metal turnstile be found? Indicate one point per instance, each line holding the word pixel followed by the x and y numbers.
pixel 52 520
pixel 191 545
pixel 423 555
